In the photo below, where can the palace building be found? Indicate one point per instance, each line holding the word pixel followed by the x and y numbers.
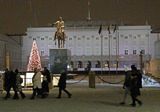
pixel 114 47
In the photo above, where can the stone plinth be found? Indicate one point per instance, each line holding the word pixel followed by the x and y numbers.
pixel 59 59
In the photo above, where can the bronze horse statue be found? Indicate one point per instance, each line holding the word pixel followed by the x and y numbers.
pixel 60 36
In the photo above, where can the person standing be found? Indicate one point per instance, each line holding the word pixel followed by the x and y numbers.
pixel 62 85
pixel 36 79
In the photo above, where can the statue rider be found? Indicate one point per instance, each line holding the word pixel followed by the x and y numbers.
pixel 60 27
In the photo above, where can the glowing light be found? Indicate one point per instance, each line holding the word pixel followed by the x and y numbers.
pixel 34 59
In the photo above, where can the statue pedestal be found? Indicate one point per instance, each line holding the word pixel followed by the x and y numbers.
pixel 59 59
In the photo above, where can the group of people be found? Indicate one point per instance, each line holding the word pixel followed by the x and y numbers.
pixel 40 88
pixel 132 85
pixel 43 89
pixel 13 80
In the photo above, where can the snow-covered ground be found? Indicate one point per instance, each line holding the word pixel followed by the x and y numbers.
pixel 149 82
pixel 146 82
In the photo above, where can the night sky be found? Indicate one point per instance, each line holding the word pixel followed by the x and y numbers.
pixel 17 15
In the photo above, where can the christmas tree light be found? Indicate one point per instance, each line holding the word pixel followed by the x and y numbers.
pixel 34 58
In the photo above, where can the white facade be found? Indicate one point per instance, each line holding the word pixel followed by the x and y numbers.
pixel 122 46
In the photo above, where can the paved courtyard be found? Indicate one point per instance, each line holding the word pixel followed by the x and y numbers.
pixel 103 98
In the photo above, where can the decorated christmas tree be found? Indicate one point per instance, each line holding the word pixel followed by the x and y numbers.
pixel 34 58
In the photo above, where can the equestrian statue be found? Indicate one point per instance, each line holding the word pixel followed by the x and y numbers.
pixel 60 34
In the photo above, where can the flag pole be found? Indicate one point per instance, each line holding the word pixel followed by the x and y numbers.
pixel 115 31
pixel 109 45
pixel 101 36
pixel 109 53
pixel 101 53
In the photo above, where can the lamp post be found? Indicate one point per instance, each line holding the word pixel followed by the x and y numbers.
pixel 141 61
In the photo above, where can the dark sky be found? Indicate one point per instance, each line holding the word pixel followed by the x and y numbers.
pixel 17 15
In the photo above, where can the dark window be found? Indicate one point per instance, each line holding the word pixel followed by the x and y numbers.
pixel 121 35
pixel 126 37
pixel 80 64
pixel 143 51
pixel 126 52
pixel 97 38
pixel 88 38
pixel 114 38
pixel 134 52
pixel 105 38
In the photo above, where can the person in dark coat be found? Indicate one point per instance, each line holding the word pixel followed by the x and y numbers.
pixel 10 82
pixel 18 84
pixel 135 85
pixel 126 86
pixel 45 83
pixel 7 83
pixel 62 85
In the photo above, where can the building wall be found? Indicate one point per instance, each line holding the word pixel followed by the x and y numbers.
pixel 10 52
pixel 85 44
pixel 155 67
